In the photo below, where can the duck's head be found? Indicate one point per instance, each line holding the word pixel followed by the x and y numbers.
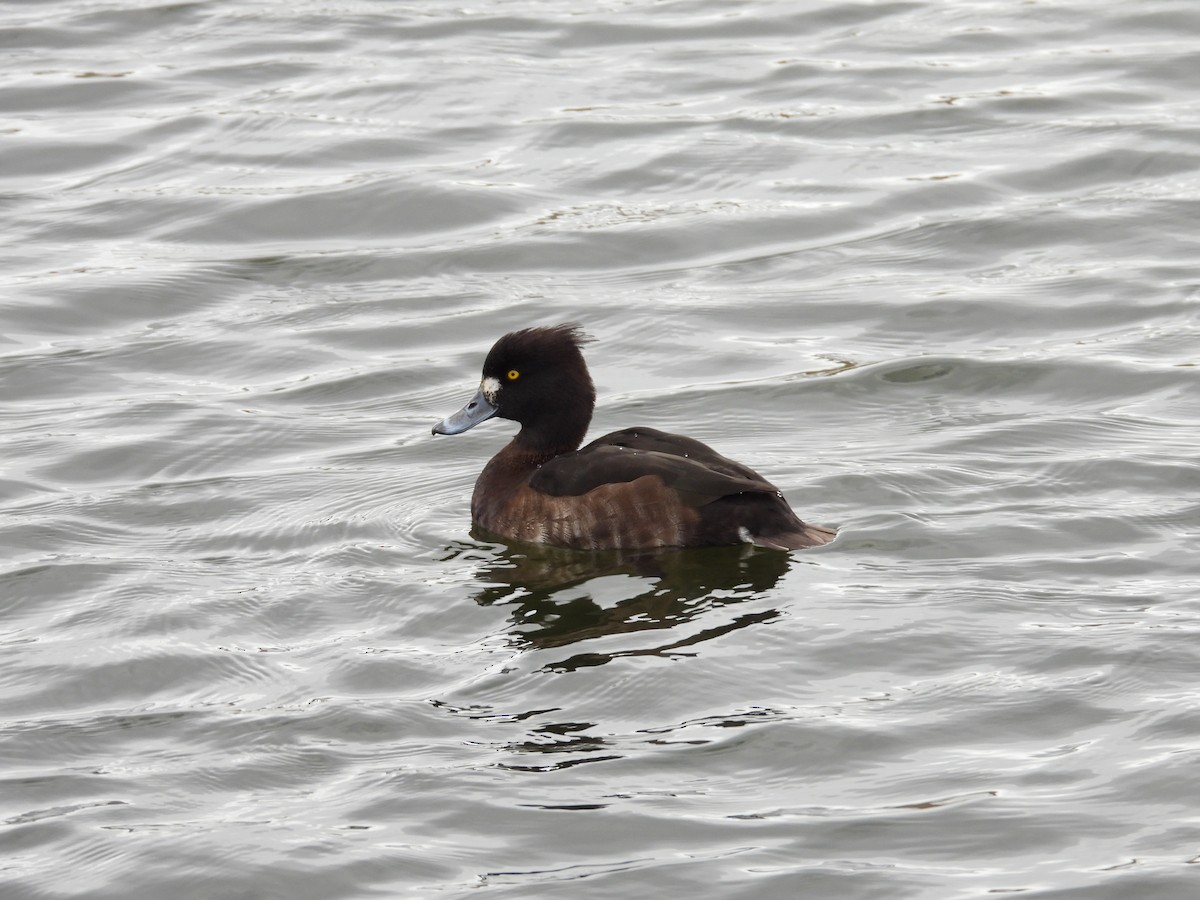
pixel 537 377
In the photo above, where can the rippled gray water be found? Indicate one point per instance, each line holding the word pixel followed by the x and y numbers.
pixel 929 266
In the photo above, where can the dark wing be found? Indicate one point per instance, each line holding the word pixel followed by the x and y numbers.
pixel 675 445
pixel 696 472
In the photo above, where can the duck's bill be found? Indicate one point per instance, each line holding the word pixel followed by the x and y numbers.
pixel 478 410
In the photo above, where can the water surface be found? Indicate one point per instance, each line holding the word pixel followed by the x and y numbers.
pixel 930 267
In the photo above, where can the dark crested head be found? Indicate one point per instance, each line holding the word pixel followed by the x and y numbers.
pixel 536 376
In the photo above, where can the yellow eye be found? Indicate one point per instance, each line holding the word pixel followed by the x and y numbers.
pixel 513 374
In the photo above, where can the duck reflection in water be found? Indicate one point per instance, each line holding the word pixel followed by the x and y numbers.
pixel 553 607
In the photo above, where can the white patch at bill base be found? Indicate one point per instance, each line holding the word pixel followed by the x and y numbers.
pixel 490 388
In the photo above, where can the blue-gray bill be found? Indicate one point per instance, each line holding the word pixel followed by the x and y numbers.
pixel 478 410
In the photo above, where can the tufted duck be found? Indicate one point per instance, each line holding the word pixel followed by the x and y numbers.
pixel 637 488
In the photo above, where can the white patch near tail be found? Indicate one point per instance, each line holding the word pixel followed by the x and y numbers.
pixel 744 535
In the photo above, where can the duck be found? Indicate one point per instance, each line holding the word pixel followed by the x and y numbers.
pixel 635 489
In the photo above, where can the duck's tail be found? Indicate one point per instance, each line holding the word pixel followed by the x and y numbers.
pixel 806 536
